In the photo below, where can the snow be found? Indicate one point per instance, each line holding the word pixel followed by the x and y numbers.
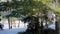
pixel 52 26
pixel 16 30
pixel 12 31
pixel 22 27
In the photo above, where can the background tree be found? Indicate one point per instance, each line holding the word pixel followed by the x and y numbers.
pixel 27 7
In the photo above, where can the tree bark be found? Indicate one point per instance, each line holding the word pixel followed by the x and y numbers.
pixel 9 22
pixel 18 23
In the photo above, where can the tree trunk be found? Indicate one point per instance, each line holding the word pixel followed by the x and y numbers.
pixel 18 23
pixel 41 27
pixel 9 22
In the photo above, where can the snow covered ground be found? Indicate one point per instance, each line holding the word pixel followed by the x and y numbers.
pixel 16 30
pixel 52 26
pixel 22 27
pixel 15 25
pixel 12 31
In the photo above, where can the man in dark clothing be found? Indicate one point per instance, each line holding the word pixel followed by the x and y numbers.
pixel 1 26
pixel 57 27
